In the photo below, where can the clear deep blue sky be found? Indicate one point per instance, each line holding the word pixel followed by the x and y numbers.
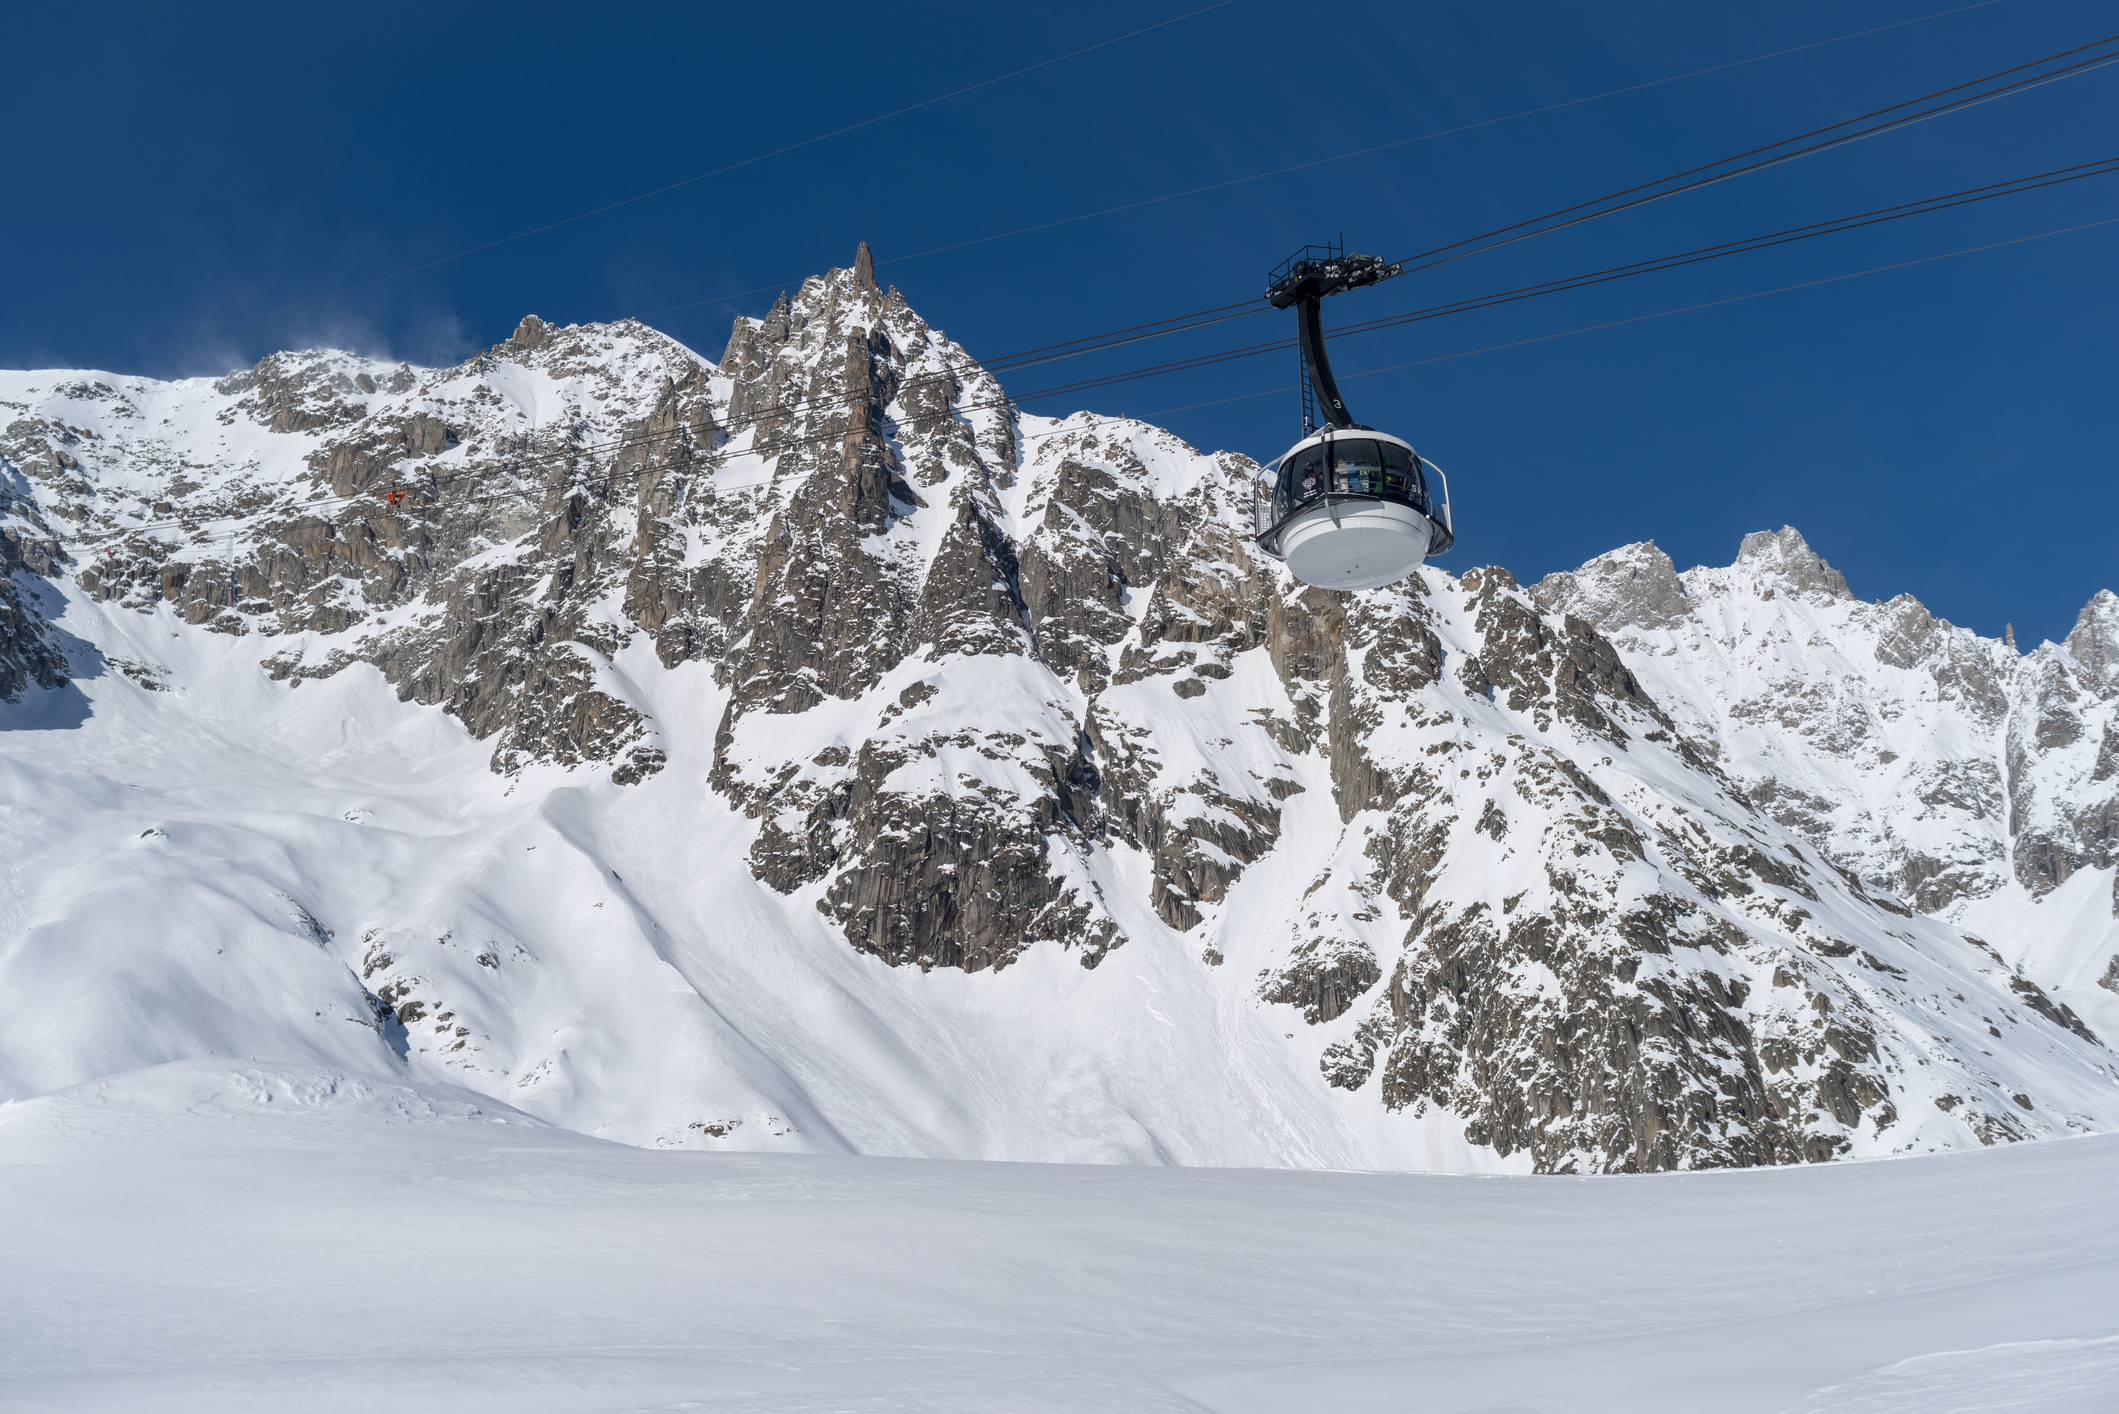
pixel 181 176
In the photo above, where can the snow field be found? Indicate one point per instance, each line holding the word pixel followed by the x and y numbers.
pixel 240 1238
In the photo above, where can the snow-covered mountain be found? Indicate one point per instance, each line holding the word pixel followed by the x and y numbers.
pixel 811 750
pixel 1978 783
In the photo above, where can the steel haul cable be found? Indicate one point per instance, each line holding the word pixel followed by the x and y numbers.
pixel 938 250
pixel 2030 74
pixel 1220 313
pixel 1180 323
pixel 1359 152
pixel 2094 55
pixel 618 446
pixel 2102 167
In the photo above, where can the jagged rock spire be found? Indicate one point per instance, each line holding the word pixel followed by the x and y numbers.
pixel 1634 584
pixel 2095 640
pixel 864 268
pixel 532 333
pixel 776 320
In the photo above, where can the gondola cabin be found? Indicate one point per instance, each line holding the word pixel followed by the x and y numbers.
pixel 1353 508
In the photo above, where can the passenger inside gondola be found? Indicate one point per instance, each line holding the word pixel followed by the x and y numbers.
pixel 1357 467
pixel 1350 466
pixel 1302 479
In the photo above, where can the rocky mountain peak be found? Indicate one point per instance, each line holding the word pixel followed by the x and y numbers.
pixel 532 333
pixel 1786 559
pixel 314 390
pixel 2094 642
pixel 1632 585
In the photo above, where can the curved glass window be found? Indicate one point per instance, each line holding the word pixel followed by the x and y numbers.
pixel 1303 477
pixel 1401 474
pixel 1358 466
pixel 1364 468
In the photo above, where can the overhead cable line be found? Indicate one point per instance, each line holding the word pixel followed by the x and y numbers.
pixel 2034 73
pixel 1349 156
pixel 2048 71
pixel 619 445
pixel 1659 314
pixel 2103 167
pixel 1970 93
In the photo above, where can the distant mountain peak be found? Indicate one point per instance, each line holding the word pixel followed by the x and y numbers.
pixel 1634 584
pixel 2094 642
pixel 1785 558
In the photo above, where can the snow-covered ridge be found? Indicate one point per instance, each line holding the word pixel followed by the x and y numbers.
pixel 809 751
pixel 1974 780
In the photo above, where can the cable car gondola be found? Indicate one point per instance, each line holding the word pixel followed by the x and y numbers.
pixel 1351 507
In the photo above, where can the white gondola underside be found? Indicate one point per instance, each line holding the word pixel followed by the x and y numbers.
pixel 1357 544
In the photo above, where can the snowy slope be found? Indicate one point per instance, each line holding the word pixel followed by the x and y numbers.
pixel 1980 783
pixel 244 1238
pixel 225 865
pixel 810 753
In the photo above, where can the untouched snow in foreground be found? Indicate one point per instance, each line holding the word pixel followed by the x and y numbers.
pixel 207 1235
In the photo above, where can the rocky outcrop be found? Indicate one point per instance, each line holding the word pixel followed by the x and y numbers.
pixel 1784 557
pixel 1936 764
pixel 1540 993
pixel 30 655
pixel 2063 752
pixel 1635 585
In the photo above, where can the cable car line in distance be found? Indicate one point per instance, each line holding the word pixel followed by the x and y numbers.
pixel 719 457
pixel 2103 167
pixel 1946 201
pixel 1348 156
pixel 2109 47
pixel 1220 314
pixel 1240 309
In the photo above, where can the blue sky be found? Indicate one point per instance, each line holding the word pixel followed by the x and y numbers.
pixel 196 188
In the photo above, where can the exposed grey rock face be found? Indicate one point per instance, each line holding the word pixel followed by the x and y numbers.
pixel 29 654
pixel 1935 763
pixel 2063 752
pixel 2094 643
pixel 1635 585
pixel 1784 555
pixel 1604 1056
pixel 938 843
pixel 988 683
